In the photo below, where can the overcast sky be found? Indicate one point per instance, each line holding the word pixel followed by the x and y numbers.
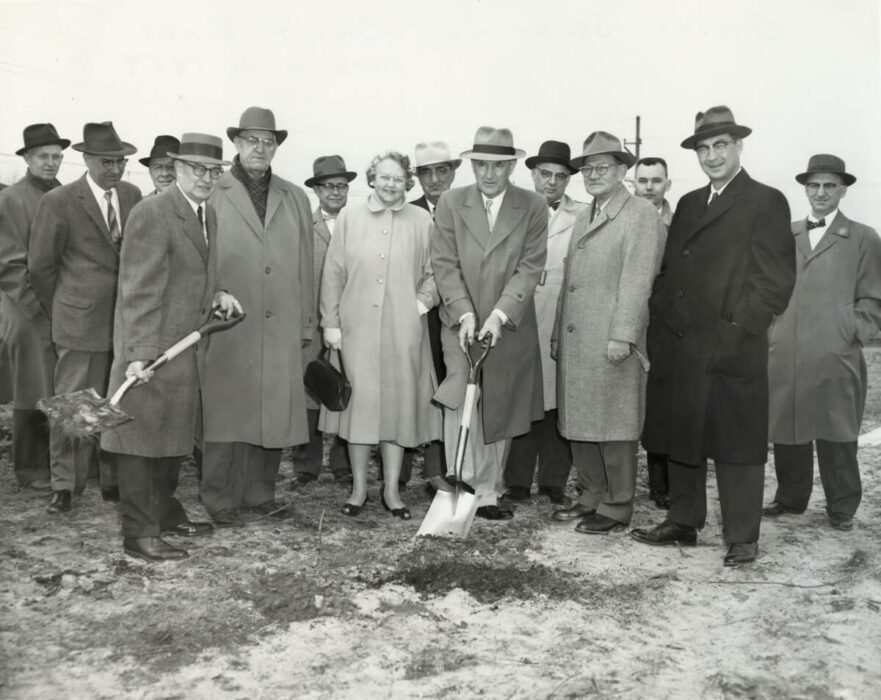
pixel 356 78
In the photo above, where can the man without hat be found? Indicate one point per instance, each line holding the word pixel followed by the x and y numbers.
pixel 167 289
pixel 27 356
pixel 599 336
pixel 816 366
pixel 330 183
pixel 160 165
pixel 488 251
pixel 254 400
pixel 74 262
pixel 551 171
pixel 652 182
pixel 728 268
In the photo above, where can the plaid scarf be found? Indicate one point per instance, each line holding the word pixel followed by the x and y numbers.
pixel 258 190
pixel 40 183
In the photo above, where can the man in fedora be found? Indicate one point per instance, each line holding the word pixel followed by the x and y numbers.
pixel 254 400
pixel 27 356
pixel 488 251
pixel 74 262
pixel 160 165
pixel 599 336
pixel 551 172
pixel 728 268
pixel 816 367
pixel 167 289
pixel 330 183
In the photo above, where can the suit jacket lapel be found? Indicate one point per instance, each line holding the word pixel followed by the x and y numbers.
pixel 126 202
pixel 320 226
pixel 722 204
pixel 837 229
pixel 273 200
pixel 512 211
pixel 238 197
pixel 93 210
pixel 190 223
pixel 610 211
pixel 474 216
pixel 802 240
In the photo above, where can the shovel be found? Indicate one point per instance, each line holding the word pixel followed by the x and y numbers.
pixel 83 413
pixel 452 512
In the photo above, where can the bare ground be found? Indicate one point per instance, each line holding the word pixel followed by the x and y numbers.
pixel 325 606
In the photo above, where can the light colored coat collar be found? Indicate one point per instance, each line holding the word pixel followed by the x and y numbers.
pixel 235 192
pixel 838 228
pixel 608 212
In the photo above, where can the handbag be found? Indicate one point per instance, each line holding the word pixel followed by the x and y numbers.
pixel 327 383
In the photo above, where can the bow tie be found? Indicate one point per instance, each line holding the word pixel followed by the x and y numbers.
pixel 554 205
pixel 816 224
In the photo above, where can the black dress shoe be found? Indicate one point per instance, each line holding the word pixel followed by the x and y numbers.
pixel 776 509
pixel 300 479
pixel 227 518
pixel 402 513
pixel 597 524
pixel 576 510
pixel 152 549
pixel 189 529
pixel 353 509
pixel 840 521
pixel 38 486
pixel 556 495
pixel 110 493
pixel 741 553
pixel 60 502
pixel 516 494
pixel 271 509
pixel 667 533
pixel 494 513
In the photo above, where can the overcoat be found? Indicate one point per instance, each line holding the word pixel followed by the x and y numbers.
pixel 476 271
pixel 547 291
pixel 166 286
pixel 253 387
pixel 727 270
pixel 320 241
pixel 816 367
pixel 610 268
pixel 27 355
pixel 73 263
pixel 377 267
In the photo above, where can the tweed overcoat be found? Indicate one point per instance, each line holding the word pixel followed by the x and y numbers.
pixel 816 367
pixel 547 291
pixel 27 355
pixel 73 263
pixel 320 240
pixel 166 286
pixel 476 271
pixel 610 268
pixel 253 385
pixel 727 270
pixel 377 267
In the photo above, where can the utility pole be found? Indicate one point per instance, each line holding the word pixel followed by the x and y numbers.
pixel 637 142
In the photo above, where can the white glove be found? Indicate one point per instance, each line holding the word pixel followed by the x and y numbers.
pixel 333 338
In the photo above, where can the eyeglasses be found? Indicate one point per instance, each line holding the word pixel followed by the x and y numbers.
pixel 200 170
pixel 600 169
pixel 828 187
pixel 110 163
pixel 162 167
pixel 254 141
pixel 438 170
pixel 557 177
pixel 333 187
pixel 718 149
pixel 388 179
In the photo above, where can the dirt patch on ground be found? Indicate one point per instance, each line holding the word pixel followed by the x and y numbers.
pixel 325 606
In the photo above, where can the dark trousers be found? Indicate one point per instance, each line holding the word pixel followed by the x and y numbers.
pixel 607 476
pixel 659 477
pixel 237 474
pixel 30 445
pixel 308 458
pixel 146 494
pixel 741 487
pixel 544 443
pixel 839 474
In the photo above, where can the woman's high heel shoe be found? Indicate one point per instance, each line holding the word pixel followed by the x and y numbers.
pixel 402 513
pixel 353 509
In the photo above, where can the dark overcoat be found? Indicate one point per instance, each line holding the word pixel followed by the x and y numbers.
pixel 477 271
pixel 166 286
pixel 727 270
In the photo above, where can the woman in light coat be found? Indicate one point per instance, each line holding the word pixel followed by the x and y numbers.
pixel 377 286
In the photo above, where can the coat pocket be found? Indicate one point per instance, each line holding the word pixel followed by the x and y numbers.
pixel 74 301
pixel 847 323
pixel 737 353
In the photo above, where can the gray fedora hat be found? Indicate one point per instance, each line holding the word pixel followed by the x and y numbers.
pixel 257 118
pixel 715 121
pixel 602 142
pixel 101 139
pixel 826 163
pixel 200 148
pixel 329 166
pixel 493 144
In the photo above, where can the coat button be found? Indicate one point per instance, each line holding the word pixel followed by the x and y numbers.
pixel 385 232
pixel 267 270
pixel 570 327
pixel 571 287
pixel 382 256
pixel 379 280
pixel 686 253
pixel 268 314
pixel 679 294
pixel 678 334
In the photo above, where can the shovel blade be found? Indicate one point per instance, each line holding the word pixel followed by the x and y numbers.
pixel 82 413
pixel 450 515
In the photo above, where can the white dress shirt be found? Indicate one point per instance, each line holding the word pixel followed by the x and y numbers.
pixel 98 192
pixel 196 206
pixel 816 234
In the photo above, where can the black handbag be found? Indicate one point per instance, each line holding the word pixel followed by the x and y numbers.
pixel 327 383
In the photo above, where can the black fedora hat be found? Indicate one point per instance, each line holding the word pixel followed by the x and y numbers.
pixel 715 121
pixel 826 163
pixel 257 118
pixel 329 166
pixel 161 146
pixel 552 152
pixel 37 135
pixel 101 139
pixel 200 148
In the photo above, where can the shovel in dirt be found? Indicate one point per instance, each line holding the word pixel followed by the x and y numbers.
pixel 83 413
pixel 452 512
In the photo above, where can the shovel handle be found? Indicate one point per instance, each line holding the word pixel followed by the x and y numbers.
pixel 474 366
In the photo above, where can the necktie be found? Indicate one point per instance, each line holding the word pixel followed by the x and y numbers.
pixel 490 218
pixel 554 205
pixel 112 223
pixel 199 214
pixel 713 198
pixel 595 212
pixel 816 224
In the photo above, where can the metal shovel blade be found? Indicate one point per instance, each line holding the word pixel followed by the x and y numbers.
pixel 450 515
pixel 82 413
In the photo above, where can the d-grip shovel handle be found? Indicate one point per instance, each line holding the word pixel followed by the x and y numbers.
pixel 213 325
pixel 474 366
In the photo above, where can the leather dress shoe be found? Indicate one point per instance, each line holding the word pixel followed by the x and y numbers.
pixel 440 482
pixel 38 485
pixel 576 510
pixel 60 502
pixel 840 521
pixel 279 511
pixel 152 549
pixel 494 513
pixel 227 518
pixel 597 524
pixel 661 499
pixel 776 509
pixel 110 493
pixel 556 495
pixel 189 529
pixel 516 494
pixel 741 553
pixel 667 533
